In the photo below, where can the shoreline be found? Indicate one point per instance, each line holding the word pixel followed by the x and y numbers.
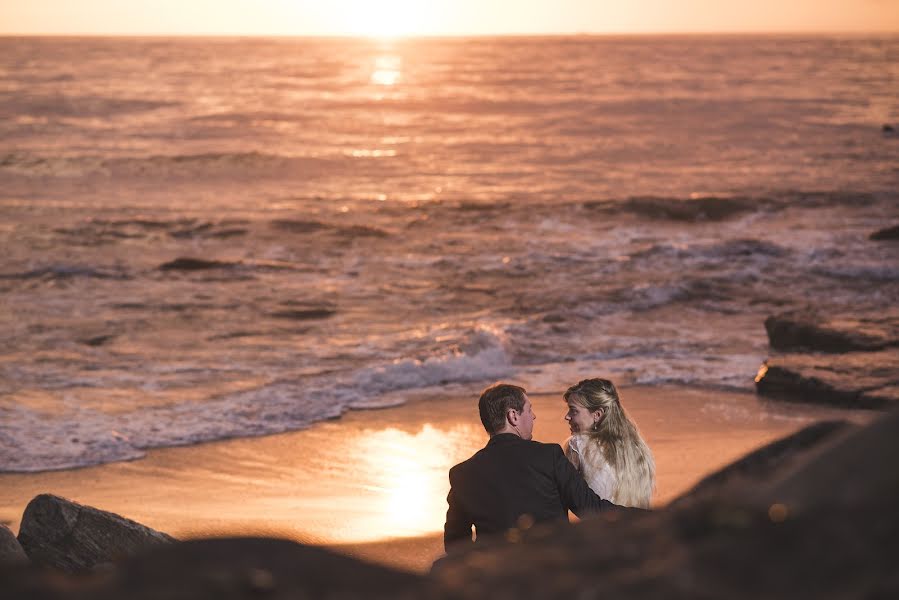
pixel 372 484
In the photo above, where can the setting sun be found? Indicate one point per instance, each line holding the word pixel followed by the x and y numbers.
pixel 387 18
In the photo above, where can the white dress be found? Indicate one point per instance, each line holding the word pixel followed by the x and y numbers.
pixel 587 458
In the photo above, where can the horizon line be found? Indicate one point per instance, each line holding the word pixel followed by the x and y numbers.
pixel 435 36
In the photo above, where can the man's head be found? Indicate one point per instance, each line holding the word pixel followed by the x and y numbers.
pixel 506 408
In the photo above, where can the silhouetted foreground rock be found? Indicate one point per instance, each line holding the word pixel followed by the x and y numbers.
pixel 10 550
pixel 811 516
pixel 58 533
pixel 220 569
pixel 761 464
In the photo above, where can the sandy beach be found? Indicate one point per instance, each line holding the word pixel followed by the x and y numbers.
pixel 373 483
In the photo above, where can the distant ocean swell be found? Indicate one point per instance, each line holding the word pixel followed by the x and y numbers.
pixel 214 238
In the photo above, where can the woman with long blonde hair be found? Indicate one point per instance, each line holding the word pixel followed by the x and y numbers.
pixel 605 445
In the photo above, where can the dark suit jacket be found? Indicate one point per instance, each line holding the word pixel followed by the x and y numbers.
pixel 509 478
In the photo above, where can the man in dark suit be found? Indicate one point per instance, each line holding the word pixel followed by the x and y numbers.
pixel 512 482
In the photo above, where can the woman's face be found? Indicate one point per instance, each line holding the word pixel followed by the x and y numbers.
pixel 580 419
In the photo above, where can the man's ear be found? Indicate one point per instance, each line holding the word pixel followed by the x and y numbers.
pixel 512 417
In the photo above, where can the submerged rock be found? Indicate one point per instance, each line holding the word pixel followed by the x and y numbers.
pixel 11 552
pixel 706 208
pixel 59 533
pixel 194 264
pixel 809 331
pixel 303 314
pixel 98 340
pixel 889 233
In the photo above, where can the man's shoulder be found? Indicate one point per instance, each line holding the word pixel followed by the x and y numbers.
pixel 518 444
pixel 542 446
pixel 466 464
pixel 535 449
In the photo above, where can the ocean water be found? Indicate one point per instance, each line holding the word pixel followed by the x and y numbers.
pixel 211 238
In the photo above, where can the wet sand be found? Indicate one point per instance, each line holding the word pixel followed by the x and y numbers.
pixel 373 483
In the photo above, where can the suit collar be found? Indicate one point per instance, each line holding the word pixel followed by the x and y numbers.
pixel 503 438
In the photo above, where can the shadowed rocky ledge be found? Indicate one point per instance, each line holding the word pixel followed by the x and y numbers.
pixel 844 360
pixel 810 516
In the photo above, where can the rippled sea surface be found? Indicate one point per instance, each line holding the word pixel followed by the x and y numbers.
pixel 210 238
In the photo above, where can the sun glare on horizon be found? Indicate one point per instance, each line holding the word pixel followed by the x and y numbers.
pixel 386 19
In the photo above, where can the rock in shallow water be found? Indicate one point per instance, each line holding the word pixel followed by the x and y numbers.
pixel 807 331
pixel 194 264
pixel 59 533
pixel 854 379
pixel 889 233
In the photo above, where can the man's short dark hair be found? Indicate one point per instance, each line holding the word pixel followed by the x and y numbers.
pixel 495 403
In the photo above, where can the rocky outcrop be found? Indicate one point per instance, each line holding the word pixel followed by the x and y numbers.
pixel 855 379
pixel 850 360
pixel 11 552
pixel 59 533
pixel 808 331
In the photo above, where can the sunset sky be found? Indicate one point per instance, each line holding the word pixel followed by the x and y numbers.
pixel 441 17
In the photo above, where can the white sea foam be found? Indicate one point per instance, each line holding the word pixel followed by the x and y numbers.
pixel 80 436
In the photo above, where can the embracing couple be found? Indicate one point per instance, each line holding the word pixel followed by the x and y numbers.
pixel 514 482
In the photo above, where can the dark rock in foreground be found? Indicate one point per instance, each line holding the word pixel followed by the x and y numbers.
pixel 855 379
pixel 221 569
pixel 764 463
pixel 889 233
pixel 11 551
pixel 194 264
pixel 58 533
pixel 811 332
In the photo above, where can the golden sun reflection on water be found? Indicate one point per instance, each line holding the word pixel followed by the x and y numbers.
pixel 403 478
pixel 387 71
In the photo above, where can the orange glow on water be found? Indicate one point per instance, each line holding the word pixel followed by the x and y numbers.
pixel 387 71
pixel 402 477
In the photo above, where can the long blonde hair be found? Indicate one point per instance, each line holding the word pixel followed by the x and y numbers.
pixel 619 440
